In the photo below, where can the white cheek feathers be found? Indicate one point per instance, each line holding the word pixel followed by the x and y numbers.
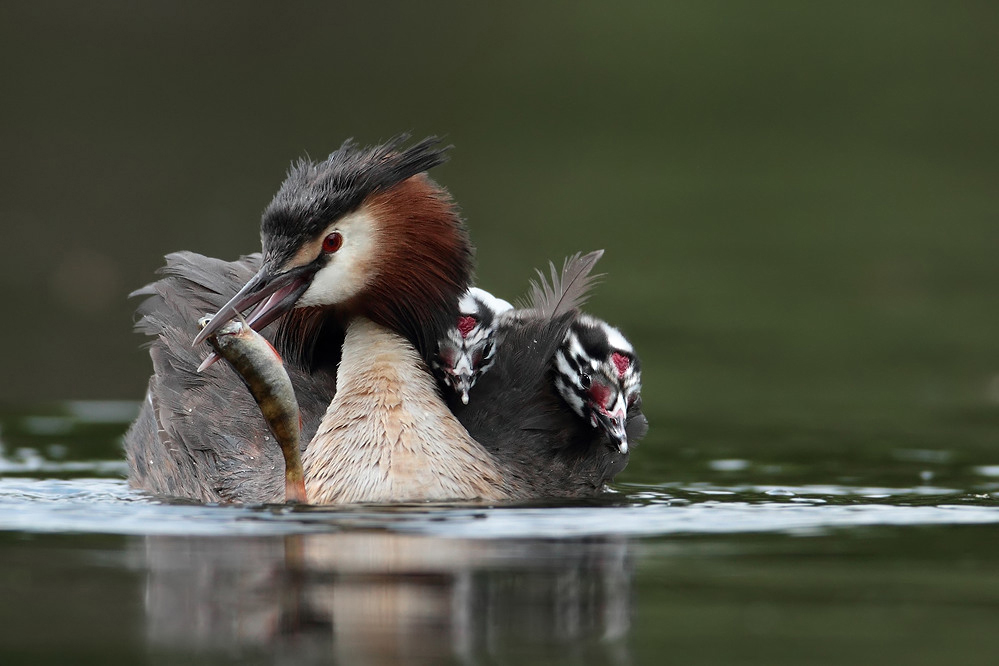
pixel 349 269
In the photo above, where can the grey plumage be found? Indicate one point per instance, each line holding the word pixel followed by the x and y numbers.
pixel 173 449
pixel 524 423
pixel 565 294
pixel 201 436
pixel 517 412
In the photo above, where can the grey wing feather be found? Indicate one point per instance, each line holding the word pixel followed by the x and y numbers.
pixel 566 291
pixel 201 435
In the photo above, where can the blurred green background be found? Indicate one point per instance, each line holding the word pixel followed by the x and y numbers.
pixel 800 207
pixel 799 201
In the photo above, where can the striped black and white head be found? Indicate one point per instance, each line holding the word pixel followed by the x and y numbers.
pixel 598 376
pixel 468 349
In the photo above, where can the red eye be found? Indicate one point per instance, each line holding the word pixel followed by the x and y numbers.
pixel 333 242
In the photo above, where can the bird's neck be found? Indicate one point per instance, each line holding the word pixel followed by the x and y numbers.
pixel 310 338
pixel 424 260
pixel 388 436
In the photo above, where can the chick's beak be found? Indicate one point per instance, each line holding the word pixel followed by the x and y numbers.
pixel 462 378
pixel 272 293
pixel 462 385
pixel 613 421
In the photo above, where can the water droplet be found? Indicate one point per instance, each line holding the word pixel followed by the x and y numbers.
pixel 733 465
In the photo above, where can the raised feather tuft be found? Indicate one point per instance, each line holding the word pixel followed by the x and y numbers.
pixel 566 291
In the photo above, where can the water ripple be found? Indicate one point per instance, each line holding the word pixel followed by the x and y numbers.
pixel 109 506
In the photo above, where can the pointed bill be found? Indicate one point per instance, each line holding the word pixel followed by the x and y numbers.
pixel 273 294
pixel 614 422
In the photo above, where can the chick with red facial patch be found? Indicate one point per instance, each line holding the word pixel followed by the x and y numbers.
pixel 468 349
pixel 598 375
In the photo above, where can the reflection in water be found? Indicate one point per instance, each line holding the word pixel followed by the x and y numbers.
pixel 379 596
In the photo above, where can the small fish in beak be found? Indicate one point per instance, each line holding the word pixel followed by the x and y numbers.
pixel 262 370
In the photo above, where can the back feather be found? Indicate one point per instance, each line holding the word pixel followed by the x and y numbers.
pixel 546 449
pixel 201 435
pixel 567 291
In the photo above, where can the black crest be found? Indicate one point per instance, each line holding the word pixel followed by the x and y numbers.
pixel 316 193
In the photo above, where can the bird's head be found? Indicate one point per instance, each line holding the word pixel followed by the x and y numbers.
pixel 467 349
pixel 366 232
pixel 598 375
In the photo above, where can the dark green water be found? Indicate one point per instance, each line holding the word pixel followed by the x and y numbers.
pixel 800 209
pixel 722 560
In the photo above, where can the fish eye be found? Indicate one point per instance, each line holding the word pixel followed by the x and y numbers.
pixel 584 380
pixel 332 242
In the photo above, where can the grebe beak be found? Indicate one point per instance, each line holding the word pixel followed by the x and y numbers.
pixel 272 293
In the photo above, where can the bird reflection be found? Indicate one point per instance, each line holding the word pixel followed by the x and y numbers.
pixel 382 597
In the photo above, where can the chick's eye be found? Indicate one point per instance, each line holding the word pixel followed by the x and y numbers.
pixel 332 242
pixel 584 379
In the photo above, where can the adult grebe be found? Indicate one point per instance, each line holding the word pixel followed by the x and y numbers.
pixel 363 265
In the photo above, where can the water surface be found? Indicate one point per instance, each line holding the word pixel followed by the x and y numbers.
pixel 754 562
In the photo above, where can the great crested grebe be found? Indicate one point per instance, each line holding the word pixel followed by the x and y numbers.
pixel 598 375
pixel 468 348
pixel 596 371
pixel 364 262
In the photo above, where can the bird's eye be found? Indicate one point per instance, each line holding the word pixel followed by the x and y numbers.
pixel 332 242
pixel 584 380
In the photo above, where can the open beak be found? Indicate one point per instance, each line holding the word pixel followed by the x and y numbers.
pixel 613 422
pixel 272 294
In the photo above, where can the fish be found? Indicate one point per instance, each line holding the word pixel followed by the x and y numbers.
pixel 261 368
